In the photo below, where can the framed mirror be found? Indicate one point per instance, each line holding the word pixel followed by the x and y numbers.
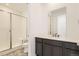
pixel 58 23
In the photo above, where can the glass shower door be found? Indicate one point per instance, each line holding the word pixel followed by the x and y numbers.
pixel 4 30
pixel 18 30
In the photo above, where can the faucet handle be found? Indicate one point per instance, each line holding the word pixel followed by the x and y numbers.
pixel 58 35
pixel 55 34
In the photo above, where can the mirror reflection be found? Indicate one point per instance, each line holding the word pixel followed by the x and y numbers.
pixel 58 23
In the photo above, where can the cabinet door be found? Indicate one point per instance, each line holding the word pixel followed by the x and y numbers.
pixel 47 50
pixel 18 30
pixel 38 48
pixel 56 51
pixel 4 30
pixel 69 52
pixel 52 48
pixel 69 49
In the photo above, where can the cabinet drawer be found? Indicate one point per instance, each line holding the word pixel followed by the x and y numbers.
pixel 53 42
pixel 69 45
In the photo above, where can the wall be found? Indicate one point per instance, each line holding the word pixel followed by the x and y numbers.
pixel 72 19
pixel 38 23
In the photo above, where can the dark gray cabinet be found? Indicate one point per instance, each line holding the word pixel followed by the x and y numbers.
pixel 52 48
pixel 47 47
pixel 39 47
pixel 47 50
pixel 69 52
pixel 56 51
pixel 69 49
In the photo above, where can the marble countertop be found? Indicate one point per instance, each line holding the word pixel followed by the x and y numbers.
pixel 56 38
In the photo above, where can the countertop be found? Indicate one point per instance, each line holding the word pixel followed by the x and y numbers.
pixel 56 38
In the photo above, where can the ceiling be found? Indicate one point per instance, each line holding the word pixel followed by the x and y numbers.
pixel 20 7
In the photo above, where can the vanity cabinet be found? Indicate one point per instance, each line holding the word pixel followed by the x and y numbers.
pixel 48 47
pixel 56 51
pixel 69 52
pixel 38 47
pixel 70 49
pixel 47 50
pixel 52 48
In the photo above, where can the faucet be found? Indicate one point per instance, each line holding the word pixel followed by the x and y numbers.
pixel 56 35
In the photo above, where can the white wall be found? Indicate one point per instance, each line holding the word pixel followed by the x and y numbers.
pixel 72 19
pixel 38 22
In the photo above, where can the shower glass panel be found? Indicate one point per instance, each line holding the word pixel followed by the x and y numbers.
pixel 18 30
pixel 4 30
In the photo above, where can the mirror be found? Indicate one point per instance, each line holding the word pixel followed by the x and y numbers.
pixel 58 23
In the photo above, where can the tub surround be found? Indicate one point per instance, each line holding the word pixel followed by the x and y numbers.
pixel 16 51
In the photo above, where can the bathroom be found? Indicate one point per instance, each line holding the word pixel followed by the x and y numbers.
pixel 24 24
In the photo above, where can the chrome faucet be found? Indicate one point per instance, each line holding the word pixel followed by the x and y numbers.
pixel 56 35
